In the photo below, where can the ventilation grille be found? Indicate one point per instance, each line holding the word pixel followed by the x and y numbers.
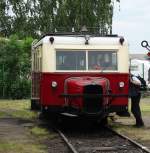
pixel 92 104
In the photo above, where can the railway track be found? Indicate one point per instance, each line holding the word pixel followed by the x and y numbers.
pixel 101 140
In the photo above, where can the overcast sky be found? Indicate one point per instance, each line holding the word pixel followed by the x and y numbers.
pixel 132 20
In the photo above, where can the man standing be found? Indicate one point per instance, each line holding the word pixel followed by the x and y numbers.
pixel 134 89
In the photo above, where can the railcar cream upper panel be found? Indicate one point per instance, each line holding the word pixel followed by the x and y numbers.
pixel 70 40
pixel 71 43
pixel 49 55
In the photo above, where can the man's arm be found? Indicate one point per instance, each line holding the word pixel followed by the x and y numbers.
pixel 135 81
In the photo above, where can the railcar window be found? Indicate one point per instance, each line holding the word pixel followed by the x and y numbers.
pixel 70 60
pixel 100 60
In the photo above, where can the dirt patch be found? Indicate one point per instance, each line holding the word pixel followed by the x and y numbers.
pixel 124 125
pixel 141 135
pixel 22 131
pixel 15 138
pixel 11 130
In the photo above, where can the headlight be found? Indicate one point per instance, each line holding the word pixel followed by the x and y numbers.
pixel 54 84
pixel 121 84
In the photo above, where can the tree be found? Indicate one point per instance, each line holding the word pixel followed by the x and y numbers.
pixel 15 67
pixel 76 13
pixel 36 17
pixel 32 18
pixel 5 19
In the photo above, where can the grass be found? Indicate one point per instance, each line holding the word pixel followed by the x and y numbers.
pixel 21 109
pixel 32 142
pixel 24 114
pixel 17 109
pixel 39 131
pixel 2 114
pixel 124 124
pixel 145 106
pixel 15 104
pixel 13 147
pixel 43 133
pixel 139 134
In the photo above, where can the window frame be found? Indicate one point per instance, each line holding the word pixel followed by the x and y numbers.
pixel 76 63
pixel 104 51
pixel 86 59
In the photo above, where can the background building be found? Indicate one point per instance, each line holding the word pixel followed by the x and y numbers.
pixel 140 65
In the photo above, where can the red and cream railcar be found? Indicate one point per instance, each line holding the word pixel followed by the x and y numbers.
pixel 80 74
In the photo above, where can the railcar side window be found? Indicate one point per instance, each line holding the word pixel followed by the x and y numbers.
pixel 70 60
pixel 100 60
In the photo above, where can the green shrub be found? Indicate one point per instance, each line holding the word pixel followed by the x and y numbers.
pixel 15 63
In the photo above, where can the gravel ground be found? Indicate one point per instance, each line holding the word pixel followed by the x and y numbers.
pixel 18 131
pixel 141 135
pixel 95 139
pixel 14 129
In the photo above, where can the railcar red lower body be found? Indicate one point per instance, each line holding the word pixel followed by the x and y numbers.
pixel 60 92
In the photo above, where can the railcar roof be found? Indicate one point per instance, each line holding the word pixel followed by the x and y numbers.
pixel 78 34
pixel 79 39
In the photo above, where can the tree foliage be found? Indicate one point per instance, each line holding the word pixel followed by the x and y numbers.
pixel 32 18
pixel 15 67
pixel 36 17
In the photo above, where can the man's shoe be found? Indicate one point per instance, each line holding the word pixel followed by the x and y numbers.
pixel 139 125
pixel 139 122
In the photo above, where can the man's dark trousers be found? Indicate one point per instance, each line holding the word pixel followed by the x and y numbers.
pixel 135 109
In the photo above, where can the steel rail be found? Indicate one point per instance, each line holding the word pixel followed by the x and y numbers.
pixel 73 150
pixel 145 149
pixel 71 147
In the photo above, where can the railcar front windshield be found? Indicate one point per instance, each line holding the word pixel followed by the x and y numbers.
pixel 102 60
pixel 73 60
pixel 86 60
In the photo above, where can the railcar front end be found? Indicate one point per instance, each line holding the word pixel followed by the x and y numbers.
pixel 71 76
